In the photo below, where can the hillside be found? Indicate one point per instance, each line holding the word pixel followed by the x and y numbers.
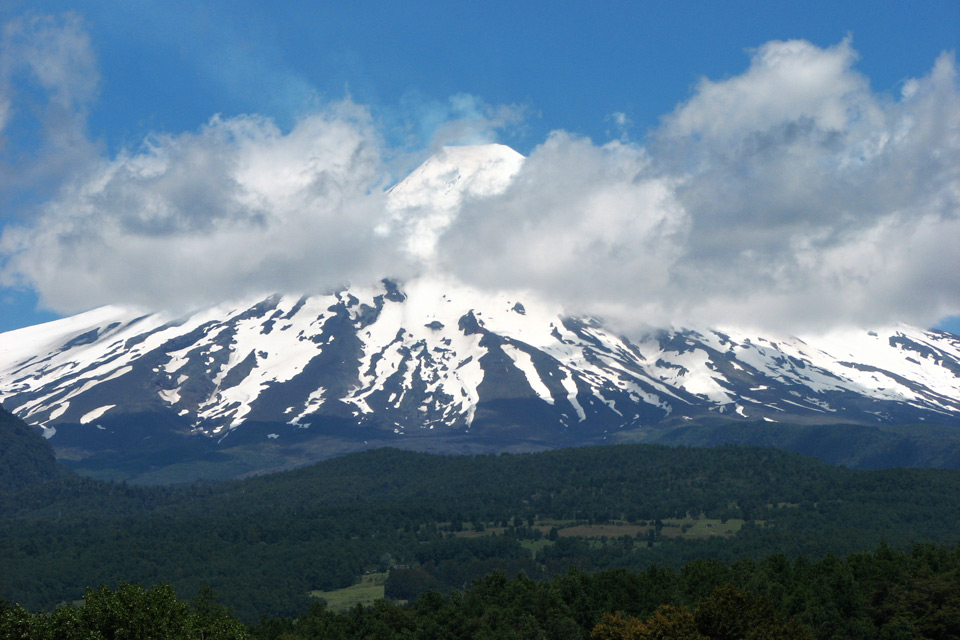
pixel 25 457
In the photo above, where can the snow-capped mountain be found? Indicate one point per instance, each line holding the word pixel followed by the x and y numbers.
pixel 433 358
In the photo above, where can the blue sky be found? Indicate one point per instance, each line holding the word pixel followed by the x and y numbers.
pixel 422 74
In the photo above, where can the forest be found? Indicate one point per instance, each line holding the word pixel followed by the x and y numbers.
pixel 269 545
pixel 879 594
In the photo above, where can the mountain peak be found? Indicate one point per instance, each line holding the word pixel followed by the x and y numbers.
pixel 426 202
pixel 457 172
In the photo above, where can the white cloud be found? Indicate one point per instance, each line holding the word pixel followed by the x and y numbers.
pixel 809 211
pixel 236 208
pixel 786 82
pixel 579 222
pixel 789 196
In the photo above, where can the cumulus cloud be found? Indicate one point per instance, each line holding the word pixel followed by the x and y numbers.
pixel 787 82
pixel 237 208
pixel 813 210
pixel 790 196
pixel 578 220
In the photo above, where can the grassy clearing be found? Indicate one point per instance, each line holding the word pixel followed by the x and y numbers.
pixel 706 527
pixel 689 528
pixel 369 588
pixel 700 528
pixel 602 530
pixel 535 545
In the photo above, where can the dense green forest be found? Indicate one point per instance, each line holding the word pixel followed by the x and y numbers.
pixel 884 594
pixel 441 522
pixel 25 457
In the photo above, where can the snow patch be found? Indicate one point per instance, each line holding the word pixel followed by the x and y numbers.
pixel 524 362
pixel 96 414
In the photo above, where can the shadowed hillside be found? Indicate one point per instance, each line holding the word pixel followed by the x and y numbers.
pixel 25 457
